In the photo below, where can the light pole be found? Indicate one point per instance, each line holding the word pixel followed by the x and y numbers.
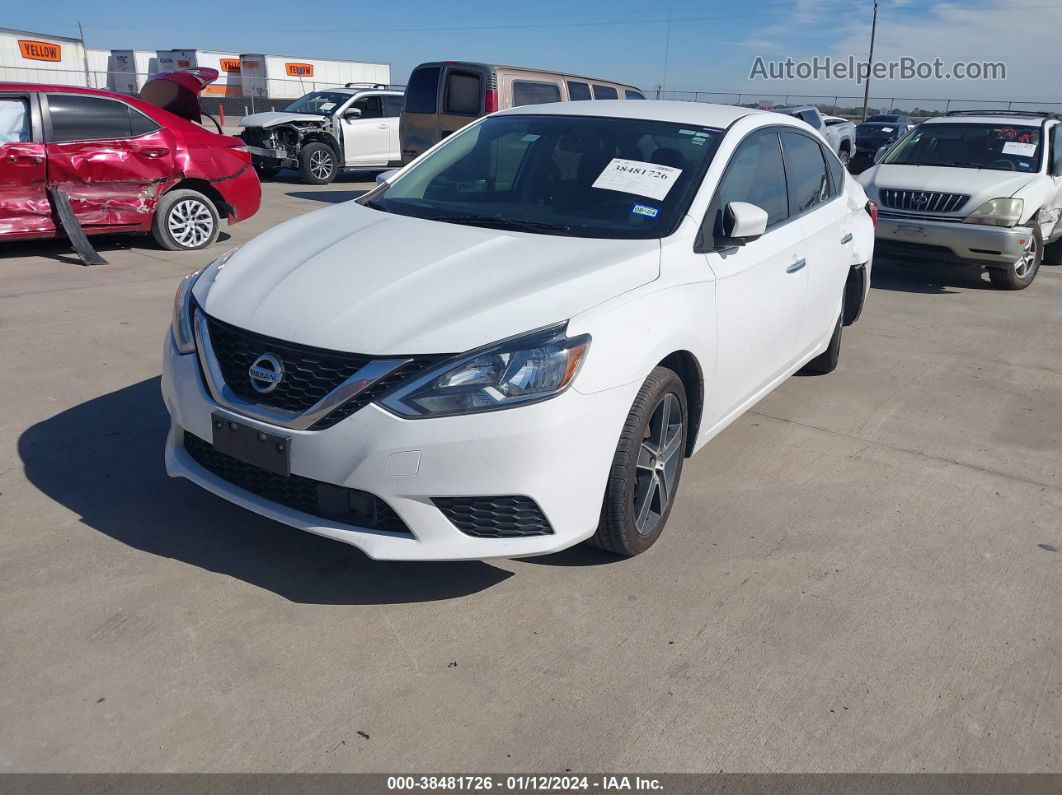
pixel 870 60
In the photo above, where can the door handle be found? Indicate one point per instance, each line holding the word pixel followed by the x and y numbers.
pixel 152 151
pixel 796 266
pixel 846 239
pixel 381 126
pixel 15 156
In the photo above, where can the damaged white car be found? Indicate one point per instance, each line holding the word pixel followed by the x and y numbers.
pixel 325 131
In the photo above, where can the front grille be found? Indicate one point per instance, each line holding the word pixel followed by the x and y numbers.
pixel 349 506
pixel 922 201
pixel 495 517
pixel 309 373
pixel 257 136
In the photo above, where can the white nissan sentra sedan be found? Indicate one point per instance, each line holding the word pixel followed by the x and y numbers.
pixel 511 345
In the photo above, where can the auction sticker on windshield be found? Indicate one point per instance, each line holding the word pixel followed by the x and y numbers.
pixel 641 179
pixel 1016 148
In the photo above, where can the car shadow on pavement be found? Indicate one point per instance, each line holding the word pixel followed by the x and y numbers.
pixel 59 248
pixel 926 277
pixel 327 196
pixel 103 460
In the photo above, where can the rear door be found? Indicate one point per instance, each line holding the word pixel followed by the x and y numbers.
pixel 818 209
pixel 418 125
pixel 24 205
pixel 762 286
pixel 111 160
pixel 366 138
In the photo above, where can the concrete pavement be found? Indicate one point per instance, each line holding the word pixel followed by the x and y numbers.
pixel 861 574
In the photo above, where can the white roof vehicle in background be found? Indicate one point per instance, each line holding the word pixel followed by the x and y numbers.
pixel 974 187
pixel 511 345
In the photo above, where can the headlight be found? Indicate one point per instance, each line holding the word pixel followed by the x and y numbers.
pixel 181 324
pixel 997 212
pixel 515 372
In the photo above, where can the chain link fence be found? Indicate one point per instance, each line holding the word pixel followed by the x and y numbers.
pixel 918 108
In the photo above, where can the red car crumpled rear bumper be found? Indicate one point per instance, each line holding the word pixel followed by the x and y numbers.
pixel 242 193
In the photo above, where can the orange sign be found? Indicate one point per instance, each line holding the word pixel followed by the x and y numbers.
pixel 299 69
pixel 40 50
pixel 183 63
pixel 230 65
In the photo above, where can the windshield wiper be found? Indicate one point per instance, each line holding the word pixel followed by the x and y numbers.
pixel 493 222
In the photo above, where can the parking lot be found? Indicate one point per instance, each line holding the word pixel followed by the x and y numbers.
pixel 861 574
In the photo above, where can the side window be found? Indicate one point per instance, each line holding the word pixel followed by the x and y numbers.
pixel 628 94
pixel 77 117
pixel 810 117
pixel 605 92
pixel 836 173
pixel 139 124
pixel 422 91
pixel 15 121
pixel 577 90
pixel 526 92
pixel 370 107
pixel 755 175
pixel 806 170
pixel 462 94
pixel 392 106
pixel 1056 150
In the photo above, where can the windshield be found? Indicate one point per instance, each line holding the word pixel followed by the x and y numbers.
pixel 324 103
pixel 885 130
pixel 565 175
pixel 998 147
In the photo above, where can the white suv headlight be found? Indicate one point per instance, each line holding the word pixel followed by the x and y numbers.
pixel 514 372
pixel 997 212
pixel 181 324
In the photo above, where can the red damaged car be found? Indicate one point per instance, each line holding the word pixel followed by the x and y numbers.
pixel 124 164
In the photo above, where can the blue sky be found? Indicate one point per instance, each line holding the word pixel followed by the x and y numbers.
pixel 711 45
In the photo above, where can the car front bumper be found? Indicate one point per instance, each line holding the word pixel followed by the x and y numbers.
pixel 950 241
pixel 557 452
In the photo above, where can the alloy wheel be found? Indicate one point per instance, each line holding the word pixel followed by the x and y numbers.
pixel 658 463
pixel 190 223
pixel 1025 263
pixel 321 164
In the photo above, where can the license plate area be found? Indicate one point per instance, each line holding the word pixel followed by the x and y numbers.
pixel 252 446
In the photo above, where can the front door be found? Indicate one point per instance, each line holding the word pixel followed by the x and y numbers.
pixel 366 138
pixel 24 205
pixel 761 286
pixel 110 160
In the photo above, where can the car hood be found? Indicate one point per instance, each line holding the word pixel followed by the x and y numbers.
pixel 981 185
pixel 354 279
pixel 271 118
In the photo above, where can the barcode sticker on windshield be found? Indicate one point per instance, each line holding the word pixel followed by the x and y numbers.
pixel 327 105
pixel 641 179
pixel 1016 148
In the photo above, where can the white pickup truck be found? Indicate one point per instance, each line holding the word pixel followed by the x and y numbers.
pixel 839 133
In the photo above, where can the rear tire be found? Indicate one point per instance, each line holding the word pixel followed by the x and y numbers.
pixel 845 158
pixel 826 362
pixel 1020 275
pixel 646 468
pixel 185 220
pixel 317 163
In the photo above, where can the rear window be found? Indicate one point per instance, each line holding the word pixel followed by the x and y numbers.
pixel 577 91
pixel 605 92
pixel 77 117
pixel 633 94
pixel 526 92
pixel 423 90
pixel 462 94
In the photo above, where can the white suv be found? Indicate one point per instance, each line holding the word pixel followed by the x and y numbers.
pixel 511 345
pixel 974 187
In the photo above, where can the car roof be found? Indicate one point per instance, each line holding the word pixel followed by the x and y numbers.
pixel 702 113
pixel 353 91
pixel 1017 121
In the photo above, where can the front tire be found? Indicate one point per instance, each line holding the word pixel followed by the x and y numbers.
pixel 185 220
pixel 1021 273
pixel 646 468
pixel 317 163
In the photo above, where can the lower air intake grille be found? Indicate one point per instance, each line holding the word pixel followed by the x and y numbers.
pixel 350 506
pixel 495 517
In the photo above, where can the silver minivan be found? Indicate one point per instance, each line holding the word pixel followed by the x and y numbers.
pixel 444 96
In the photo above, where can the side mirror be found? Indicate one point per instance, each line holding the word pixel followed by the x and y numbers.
pixel 882 151
pixel 352 113
pixel 743 223
pixel 385 176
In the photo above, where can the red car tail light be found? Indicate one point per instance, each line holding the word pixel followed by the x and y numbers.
pixel 872 211
pixel 490 101
pixel 242 152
